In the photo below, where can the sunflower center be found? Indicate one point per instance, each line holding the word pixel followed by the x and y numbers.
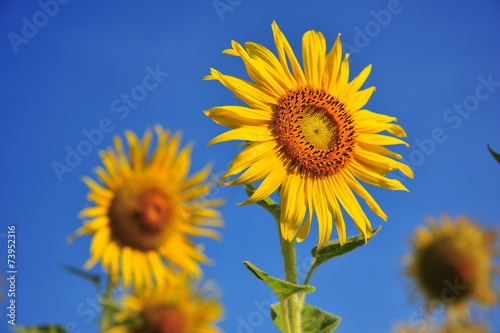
pixel 163 319
pixel 318 128
pixel 315 131
pixel 447 270
pixel 142 213
pixel 152 211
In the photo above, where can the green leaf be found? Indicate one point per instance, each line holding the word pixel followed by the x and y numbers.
pixel 277 316
pixel 283 289
pixel 494 153
pixel 314 320
pixel 334 249
pixel 83 274
pixel 40 329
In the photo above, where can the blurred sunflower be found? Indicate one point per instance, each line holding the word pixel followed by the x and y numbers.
pixel 177 308
pixel 464 327
pixel 404 328
pixel 146 209
pixel 307 133
pixel 452 262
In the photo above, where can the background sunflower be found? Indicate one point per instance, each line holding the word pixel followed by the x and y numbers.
pixel 452 262
pixel 180 306
pixel 147 209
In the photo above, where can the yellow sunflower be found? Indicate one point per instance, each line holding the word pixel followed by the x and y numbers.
pixel 452 262
pixel 464 327
pixel 404 328
pixel 178 307
pixel 146 208
pixel 308 134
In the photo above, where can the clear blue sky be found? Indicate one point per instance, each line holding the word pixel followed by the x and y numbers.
pixel 432 62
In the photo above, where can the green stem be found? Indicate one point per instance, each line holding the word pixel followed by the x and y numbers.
pixel 309 274
pixel 284 312
pixel 106 301
pixel 292 307
pixel 308 277
pixel 294 302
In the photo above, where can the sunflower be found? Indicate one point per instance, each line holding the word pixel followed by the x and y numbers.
pixel 146 209
pixel 307 134
pixel 452 262
pixel 178 307
pixel 405 328
pixel 464 327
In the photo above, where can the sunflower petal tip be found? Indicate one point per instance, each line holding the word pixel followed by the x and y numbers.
pixel 89 264
pixel 222 181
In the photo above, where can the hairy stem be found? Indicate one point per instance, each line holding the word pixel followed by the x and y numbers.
pixel 294 303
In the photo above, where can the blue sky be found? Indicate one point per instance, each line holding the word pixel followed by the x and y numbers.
pixel 66 73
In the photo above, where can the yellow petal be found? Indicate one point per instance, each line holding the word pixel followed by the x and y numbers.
pixel 157 268
pixel 332 65
pixel 96 188
pixel 197 178
pixel 359 99
pixel 127 265
pixel 397 130
pixel 335 209
pixel 285 51
pixel 342 77
pixel 237 116
pixel 313 56
pixel 322 212
pixel 374 178
pixel 353 86
pixel 362 192
pixel 245 133
pixel 269 185
pixel 123 161
pixel 93 212
pixel 363 115
pixel 305 228
pixel 260 52
pixel 254 152
pixel 380 164
pixel 181 164
pixel 351 205
pixel 145 143
pixel 105 177
pixel 134 151
pixel 259 169
pixel 379 139
pixel 110 163
pixel 379 150
pixel 293 206
pixel 253 95
pixel 259 72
